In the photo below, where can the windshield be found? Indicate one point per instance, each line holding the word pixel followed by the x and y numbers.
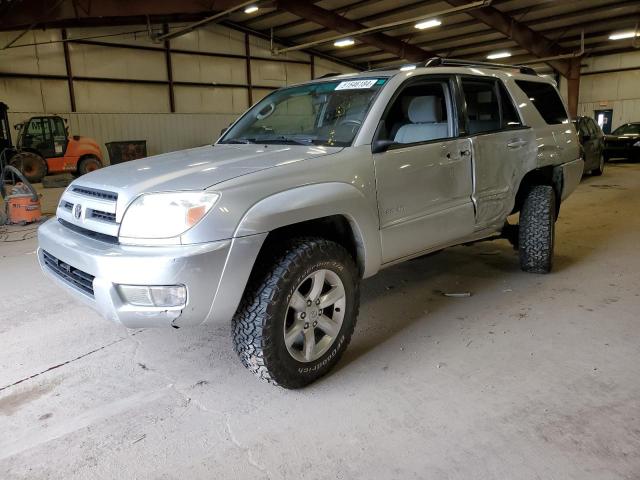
pixel 631 128
pixel 327 113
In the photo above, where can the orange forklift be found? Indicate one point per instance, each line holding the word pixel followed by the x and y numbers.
pixel 44 147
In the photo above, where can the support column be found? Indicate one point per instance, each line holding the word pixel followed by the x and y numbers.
pixel 247 52
pixel 167 56
pixel 573 86
pixel 67 62
pixel 312 63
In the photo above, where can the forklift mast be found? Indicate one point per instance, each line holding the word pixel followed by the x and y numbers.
pixel 5 131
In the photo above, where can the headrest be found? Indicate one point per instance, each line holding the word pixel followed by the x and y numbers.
pixel 425 109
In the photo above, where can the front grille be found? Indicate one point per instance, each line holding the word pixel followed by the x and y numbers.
pixel 103 237
pixel 95 193
pixel 104 216
pixel 67 205
pixel 72 275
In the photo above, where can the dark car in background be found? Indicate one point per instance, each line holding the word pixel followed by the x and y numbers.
pixel 624 142
pixel 592 144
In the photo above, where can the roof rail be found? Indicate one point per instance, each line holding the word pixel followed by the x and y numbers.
pixel 440 62
pixel 328 75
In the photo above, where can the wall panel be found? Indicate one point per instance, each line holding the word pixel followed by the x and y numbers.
pixel 108 62
pixel 204 99
pixel 121 97
pixel 191 68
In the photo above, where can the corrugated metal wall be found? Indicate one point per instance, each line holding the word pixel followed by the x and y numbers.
pixel 619 91
pixel 164 132
pixel 111 102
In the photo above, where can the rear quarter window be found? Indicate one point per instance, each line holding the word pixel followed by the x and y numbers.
pixel 546 100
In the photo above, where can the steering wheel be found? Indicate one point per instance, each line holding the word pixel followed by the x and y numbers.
pixel 353 122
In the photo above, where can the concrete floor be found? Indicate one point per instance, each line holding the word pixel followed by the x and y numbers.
pixel 532 377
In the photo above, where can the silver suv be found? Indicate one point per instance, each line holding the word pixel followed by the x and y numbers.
pixel 316 187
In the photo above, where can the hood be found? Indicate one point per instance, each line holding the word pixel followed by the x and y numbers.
pixel 196 168
pixel 626 136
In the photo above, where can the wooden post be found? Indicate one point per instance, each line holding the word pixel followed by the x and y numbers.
pixel 573 86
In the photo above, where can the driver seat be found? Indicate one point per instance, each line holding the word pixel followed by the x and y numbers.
pixel 425 115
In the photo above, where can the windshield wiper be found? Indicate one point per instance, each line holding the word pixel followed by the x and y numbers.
pixel 239 140
pixel 285 139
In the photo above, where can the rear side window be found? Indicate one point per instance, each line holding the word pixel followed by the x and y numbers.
pixel 546 100
pixel 510 117
pixel 489 107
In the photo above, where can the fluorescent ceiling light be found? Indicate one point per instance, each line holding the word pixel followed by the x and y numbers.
pixel 428 24
pixel 623 35
pixel 344 42
pixel 251 9
pixel 494 56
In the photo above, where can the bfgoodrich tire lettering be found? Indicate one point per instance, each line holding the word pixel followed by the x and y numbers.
pixel 537 230
pixel 260 322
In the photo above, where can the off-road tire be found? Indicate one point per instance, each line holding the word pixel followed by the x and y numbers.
pixel 258 325
pixel 537 230
pixel 32 166
pixel 88 164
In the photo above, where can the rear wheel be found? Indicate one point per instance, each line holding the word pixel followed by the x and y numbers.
pixel 32 166
pixel 88 164
pixel 537 230
pixel 298 313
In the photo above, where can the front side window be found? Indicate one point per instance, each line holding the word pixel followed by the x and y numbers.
pixel 327 113
pixel 628 129
pixel 420 113
pixel 545 98
pixel 594 131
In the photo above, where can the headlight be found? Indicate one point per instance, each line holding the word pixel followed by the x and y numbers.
pixel 165 215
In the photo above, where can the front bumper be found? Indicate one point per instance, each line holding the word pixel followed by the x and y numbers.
pixel 199 267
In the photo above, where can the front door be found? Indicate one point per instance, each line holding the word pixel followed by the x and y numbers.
pixel 424 178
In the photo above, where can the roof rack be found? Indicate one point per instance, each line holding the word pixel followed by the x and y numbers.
pixel 440 62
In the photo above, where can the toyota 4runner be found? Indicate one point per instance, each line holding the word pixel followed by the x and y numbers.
pixel 314 188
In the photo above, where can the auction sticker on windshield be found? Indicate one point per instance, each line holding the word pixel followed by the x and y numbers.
pixel 354 84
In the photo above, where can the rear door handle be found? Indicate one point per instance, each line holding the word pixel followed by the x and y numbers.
pixel 517 143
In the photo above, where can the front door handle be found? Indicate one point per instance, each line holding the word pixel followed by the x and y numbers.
pixel 516 143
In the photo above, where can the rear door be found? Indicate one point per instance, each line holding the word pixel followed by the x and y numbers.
pixel 500 144
pixel 424 178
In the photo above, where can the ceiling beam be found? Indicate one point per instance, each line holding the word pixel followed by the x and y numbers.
pixel 606 14
pixel 533 42
pixel 340 24
pixel 39 13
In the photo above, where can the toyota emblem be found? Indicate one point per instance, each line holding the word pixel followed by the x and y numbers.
pixel 77 211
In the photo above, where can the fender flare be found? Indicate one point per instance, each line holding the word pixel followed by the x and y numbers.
pixel 315 201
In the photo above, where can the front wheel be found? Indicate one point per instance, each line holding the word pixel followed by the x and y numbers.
pixel 298 313
pixel 599 170
pixel 88 164
pixel 537 230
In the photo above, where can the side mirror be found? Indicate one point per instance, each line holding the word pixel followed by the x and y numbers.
pixel 380 146
pixel 223 131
